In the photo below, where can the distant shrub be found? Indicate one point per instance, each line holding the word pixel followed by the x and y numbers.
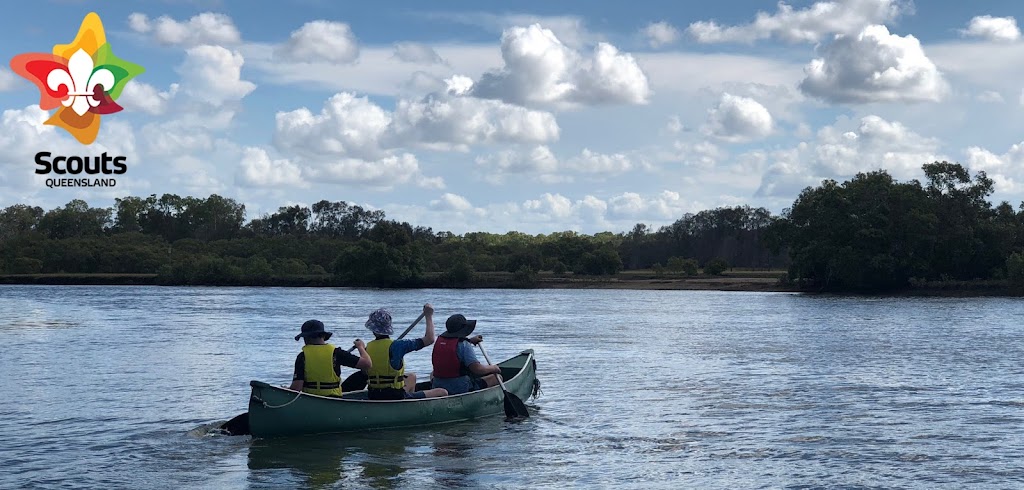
pixel 1015 268
pixel 716 267
pixel 26 265
pixel 525 276
pixel 559 268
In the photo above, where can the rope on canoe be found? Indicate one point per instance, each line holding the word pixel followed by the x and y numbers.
pixel 297 395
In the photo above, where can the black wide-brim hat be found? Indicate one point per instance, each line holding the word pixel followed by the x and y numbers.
pixel 457 326
pixel 312 328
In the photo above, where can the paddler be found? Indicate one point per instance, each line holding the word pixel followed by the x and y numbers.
pixel 318 366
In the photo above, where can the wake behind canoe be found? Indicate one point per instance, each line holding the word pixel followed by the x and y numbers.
pixel 276 412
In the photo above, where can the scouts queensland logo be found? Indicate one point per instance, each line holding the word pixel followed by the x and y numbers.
pixel 81 80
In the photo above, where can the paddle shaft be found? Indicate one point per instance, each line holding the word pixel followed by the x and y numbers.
pixel 406 332
pixel 488 359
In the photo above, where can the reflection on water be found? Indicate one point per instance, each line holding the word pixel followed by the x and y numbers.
pixel 117 387
pixel 386 459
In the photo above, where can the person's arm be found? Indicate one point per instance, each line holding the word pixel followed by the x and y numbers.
pixel 468 357
pixel 298 377
pixel 428 312
pixel 364 358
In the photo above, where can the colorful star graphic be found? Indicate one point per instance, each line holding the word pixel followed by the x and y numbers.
pixel 81 79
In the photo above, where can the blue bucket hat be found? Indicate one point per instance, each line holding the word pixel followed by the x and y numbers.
pixel 313 328
pixel 380 322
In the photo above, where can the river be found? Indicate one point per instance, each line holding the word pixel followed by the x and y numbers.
pixel 112 387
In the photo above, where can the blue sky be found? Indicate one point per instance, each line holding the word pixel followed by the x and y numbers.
pixel 550 116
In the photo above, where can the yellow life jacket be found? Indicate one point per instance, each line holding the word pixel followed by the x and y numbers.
pixel 321 379
pixel 381 375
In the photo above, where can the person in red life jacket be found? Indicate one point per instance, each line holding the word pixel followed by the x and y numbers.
pixel 454 359
pixel 387 379
pixel 318 366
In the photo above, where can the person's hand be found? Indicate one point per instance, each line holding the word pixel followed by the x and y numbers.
pixel 428 310
pixel 359 344
pixel 476 340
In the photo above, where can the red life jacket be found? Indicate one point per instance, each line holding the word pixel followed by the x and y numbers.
pixel 445 358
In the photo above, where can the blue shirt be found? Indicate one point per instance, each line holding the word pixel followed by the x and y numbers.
pixel 400 348
pixel 462 384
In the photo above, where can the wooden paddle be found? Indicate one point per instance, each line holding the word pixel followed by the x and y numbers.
pixel 514 407
pixel 239 425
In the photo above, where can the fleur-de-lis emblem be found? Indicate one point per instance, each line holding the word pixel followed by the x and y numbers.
pixel 81 80
pixel 80 83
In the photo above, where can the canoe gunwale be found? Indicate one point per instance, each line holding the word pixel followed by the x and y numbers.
pixel 299 394
pixel 299 413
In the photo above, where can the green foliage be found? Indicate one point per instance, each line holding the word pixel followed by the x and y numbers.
pixel 1015 268
pixel 290 267
pixel 525 276
pixel 716 267
pixel 459 275
pixel 659 270
pixel 686 266
pixel 559 268
pixel 371 263
pixel 604 261
pixel 25 265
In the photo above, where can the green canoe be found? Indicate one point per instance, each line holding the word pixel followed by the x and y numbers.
pixel 275 411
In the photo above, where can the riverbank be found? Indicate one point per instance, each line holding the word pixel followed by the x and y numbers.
pixel 735 280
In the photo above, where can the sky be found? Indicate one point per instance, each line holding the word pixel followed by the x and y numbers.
pixel 538 117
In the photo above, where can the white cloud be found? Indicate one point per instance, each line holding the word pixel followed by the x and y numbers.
pixel 553 205
pixel 205 28
pixel 384 173
pixel 320 41
pixel 599 163
pixel 455 122
pixel 839 152
pixel 540 70
pixel 674 125
pixel 703 154
pixel 170 138
pixel 660 34
pixel 1006 170
pixel 356 127
pixel 347 125
pixel 549 212
pixel 811 24
pixel 666 205
pixel 258 170
pixel 417 53
pixel 1001 29
pixel 874 66
pixel 539 163
pixel 146 98
pixel 738 119
pixel 451 202
pixel 213 74
pixel 7 80
pixel 990 96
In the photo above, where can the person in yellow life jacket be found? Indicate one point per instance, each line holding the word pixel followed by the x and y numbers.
pixel 318 366
pixel 387 379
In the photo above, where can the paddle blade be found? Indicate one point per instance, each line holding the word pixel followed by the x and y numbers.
pixel 355 382
pixel 238 426
pixel 514 407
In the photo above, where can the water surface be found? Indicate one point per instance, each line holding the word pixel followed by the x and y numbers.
pixel 109 387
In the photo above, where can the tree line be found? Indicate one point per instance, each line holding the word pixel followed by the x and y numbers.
pixel 869 233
